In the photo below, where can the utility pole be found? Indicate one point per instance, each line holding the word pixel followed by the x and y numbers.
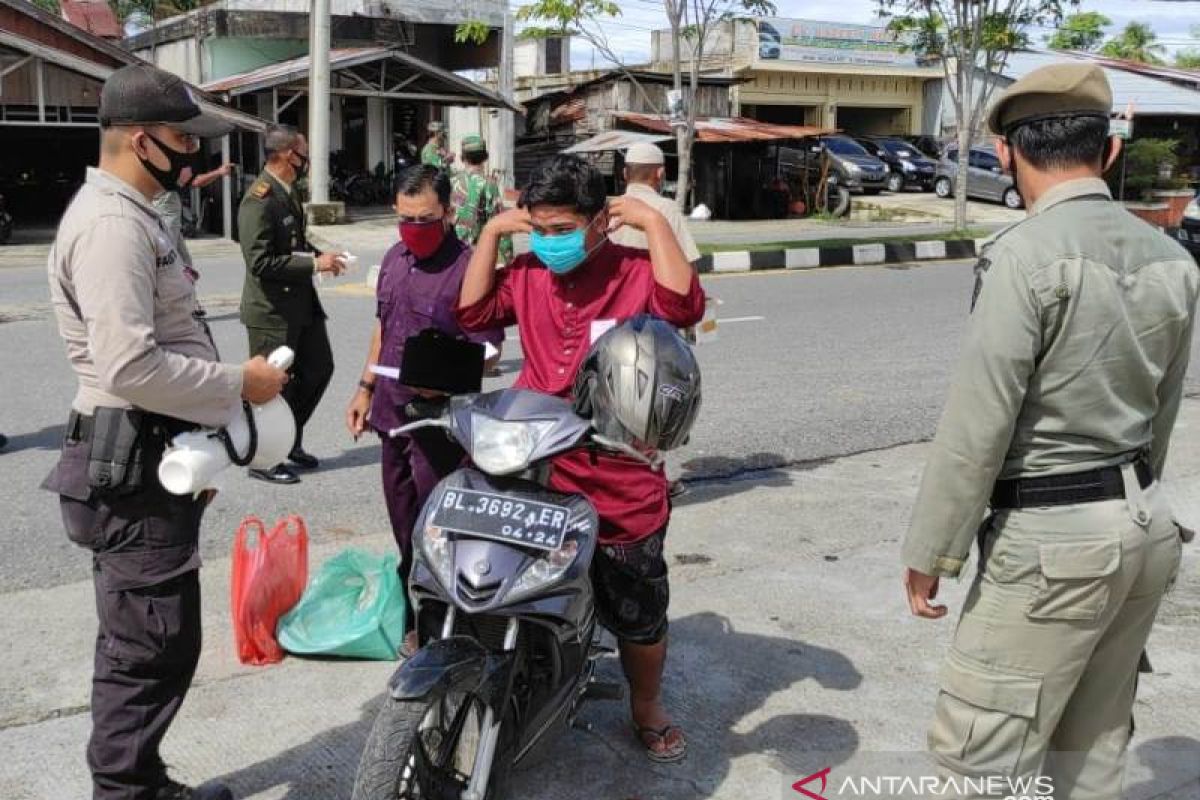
pixel 318 102
pixel 505 130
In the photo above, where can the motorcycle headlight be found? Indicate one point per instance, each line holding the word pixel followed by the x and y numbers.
pixel 501 448
pixel 436 547
pixel 546 569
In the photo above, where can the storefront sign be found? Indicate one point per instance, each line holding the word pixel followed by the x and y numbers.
pixel 834 43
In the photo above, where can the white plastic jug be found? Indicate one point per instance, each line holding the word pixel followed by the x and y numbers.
pixel 195 458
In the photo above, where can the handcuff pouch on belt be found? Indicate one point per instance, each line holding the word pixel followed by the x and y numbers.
pixel 118 453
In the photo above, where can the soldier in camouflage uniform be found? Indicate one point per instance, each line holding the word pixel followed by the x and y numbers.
pixel 475 198
pixel 434 153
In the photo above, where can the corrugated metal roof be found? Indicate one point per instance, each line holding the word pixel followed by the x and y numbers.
pixel 101 72
pixel 297 69
pixel 1151 94
pixel 615 140
pixel 294 69
pixel 94 16
pixel 725 130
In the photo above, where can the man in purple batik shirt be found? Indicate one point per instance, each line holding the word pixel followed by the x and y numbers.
pixel 418 288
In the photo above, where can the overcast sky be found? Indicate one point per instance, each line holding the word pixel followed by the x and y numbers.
pixel 1172 20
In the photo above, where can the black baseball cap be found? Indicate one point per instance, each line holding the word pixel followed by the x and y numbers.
pixel 140 94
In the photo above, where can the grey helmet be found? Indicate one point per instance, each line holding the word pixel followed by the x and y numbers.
pixel 640 385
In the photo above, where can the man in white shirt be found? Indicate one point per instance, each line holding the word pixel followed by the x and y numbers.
pixel 644 173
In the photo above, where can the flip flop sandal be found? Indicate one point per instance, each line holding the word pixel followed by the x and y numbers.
pixel 669 756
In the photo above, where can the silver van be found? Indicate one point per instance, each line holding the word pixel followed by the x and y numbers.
pixel 985 177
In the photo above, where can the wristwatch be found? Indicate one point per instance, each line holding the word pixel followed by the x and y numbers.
pixel 369 387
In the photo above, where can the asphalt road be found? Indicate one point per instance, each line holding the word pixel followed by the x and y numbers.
pixel 808 366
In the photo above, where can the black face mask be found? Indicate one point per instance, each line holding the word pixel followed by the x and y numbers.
pixel 168 178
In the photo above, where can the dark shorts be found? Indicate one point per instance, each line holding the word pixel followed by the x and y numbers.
pixel 630 585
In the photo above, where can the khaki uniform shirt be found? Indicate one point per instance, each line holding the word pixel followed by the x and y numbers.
pixel 634 238
pixel 124 308
pixel 1074 359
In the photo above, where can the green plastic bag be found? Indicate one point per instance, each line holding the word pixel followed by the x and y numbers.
pixel 353 607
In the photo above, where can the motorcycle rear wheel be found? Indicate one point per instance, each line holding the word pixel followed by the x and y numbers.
pixel 424 750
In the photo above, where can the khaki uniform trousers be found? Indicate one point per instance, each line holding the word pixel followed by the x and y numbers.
pixel 1042 674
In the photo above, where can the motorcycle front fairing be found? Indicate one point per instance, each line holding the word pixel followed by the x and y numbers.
pixel 484 576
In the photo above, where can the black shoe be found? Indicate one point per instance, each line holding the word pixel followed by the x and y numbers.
pixel 3 441
pixel 302 459
pixel 677 488
pixel 172 790
pixel 281 474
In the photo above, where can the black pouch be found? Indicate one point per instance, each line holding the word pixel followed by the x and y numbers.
pixel 116 465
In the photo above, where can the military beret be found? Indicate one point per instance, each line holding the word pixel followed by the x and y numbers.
pixel 1053 92
pixel 473 144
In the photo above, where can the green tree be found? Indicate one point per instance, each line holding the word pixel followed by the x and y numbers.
pixel 1189 58
pixel 692 24
pixel 1083 31
pixel 1137 42
pixel 972 39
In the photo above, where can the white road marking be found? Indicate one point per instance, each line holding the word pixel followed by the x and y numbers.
pixel 732 320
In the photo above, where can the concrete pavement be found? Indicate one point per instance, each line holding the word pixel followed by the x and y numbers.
pixel 792 650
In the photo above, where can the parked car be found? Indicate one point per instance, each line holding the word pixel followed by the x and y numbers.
pixel 985 178
pixel 930 146
pixel 854 167
pixel 908 166
pixel 1189 230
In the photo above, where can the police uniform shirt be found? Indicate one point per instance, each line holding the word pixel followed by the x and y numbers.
pixel 1074 359
pixel 124 308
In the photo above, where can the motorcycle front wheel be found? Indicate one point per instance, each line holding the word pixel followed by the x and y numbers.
pixel 425 750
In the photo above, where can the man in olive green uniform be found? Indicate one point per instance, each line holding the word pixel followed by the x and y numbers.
pixel 279 301
pixel 475 198
pixel 434 153
pixel 1058 418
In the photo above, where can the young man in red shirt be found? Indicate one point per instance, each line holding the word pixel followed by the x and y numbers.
pixel 572 287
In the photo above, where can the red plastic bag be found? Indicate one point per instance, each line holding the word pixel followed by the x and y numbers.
pixel 270 571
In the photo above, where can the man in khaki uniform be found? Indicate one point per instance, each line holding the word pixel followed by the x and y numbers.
pixel 644 173
pixel 1058 418
pixel 147 369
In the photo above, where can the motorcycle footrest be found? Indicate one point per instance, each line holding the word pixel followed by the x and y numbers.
pixel 597 690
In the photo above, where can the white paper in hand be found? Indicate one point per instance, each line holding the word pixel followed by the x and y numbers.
pixel 601 327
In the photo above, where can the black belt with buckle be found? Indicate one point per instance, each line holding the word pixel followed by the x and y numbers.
pixel 80 427
pixel 1105 483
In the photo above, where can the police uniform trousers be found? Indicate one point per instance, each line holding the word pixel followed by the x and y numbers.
pixel 145 569
pixel 1042 674
pixel 311 371
pixel 412 467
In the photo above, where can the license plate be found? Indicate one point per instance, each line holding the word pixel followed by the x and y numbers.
pixel 495 516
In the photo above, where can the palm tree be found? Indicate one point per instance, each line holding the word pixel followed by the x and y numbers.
pixel 1137 42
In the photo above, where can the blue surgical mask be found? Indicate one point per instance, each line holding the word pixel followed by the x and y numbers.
pixel 560 253
pixel 563 252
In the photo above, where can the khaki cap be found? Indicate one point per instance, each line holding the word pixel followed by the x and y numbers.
pixel 1055 91
pixel 645 153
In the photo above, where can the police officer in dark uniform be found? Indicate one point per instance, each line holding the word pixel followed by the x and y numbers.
pixel 279 300
pixel 147 369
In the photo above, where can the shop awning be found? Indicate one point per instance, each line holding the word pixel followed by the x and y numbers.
pixel 724 130
pixel 615 140
pixel 385 72
pixel 25 47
